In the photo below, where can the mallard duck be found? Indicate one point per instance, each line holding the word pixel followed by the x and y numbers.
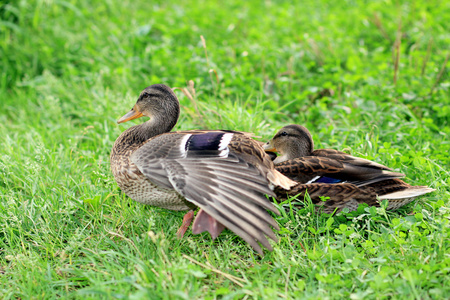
pixel 224 173
pixel 345 179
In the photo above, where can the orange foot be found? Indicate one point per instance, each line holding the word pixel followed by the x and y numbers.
pixel 204 222
pixel 187 220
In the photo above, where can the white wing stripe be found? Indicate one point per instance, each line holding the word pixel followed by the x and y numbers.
pixel 182 145
pixel 225 140
pixel 314 179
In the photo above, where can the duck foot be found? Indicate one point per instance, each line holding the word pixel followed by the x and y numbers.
pixel 204 222
pixel 187 220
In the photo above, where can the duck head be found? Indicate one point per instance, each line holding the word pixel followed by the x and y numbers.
pixel 290 142
pixel 160 104
pixel 156 101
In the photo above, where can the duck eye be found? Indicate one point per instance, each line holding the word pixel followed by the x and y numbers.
pixel 284 133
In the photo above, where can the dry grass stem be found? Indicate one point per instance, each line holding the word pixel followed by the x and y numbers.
pixel 377 21
pixel 230 277
pixel 441 73
pixel 427 57
pixel 397 44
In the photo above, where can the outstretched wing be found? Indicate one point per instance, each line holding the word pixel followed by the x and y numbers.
pixel 200 166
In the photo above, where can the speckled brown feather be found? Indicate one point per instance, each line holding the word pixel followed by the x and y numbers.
pixel 303 169
pixel 342 195
pixel 131 180
pixel 367 181
pixel 299 161
pixel 251 151
pixel 347 158
pixel 347 195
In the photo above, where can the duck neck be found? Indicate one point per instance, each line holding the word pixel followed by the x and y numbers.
pixel 299 150
pixel 134 136
pixel 296 150
pixel 155 126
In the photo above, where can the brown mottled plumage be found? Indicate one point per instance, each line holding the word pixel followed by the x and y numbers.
pixel 345 179
pixel 225 173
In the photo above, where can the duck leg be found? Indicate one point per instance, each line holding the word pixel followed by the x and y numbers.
pixel 187 220
pixel 204 222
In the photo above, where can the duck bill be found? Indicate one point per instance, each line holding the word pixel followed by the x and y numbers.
pixel 269 148
pixel 131 115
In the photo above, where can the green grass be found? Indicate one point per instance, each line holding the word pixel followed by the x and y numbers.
pixel 69 69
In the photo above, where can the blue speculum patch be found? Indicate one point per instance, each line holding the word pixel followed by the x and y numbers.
pixel 327 180
pixel 205 141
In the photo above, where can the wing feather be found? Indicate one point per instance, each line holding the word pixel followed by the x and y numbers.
pixel 226 187
pixel 344 157
pixel 303 169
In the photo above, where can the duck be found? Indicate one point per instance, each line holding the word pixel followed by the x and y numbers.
pixel 345 181
pixel 224 173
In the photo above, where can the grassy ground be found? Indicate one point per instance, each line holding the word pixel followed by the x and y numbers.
pixel 368 77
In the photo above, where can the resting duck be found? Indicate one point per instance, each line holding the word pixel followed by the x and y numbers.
pixel 345 179
pixel 224 173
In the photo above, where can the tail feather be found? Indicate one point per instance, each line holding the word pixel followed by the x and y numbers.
pixel 406 196
pixel 410 192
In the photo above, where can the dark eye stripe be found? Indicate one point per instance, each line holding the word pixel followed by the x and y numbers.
pixel 284 133
pixel 148 95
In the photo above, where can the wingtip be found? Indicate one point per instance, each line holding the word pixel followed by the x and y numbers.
pixel 258 249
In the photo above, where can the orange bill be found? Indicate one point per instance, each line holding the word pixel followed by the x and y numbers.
pixel 131 115
pixel 269 148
